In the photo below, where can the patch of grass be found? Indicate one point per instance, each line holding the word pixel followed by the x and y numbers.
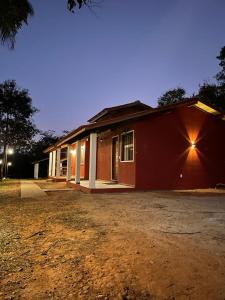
pixel 9 188
pixel 44 184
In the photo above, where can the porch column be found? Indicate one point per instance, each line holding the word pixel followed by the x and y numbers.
pixel 58 152
pixel 68 171
pixel 50 164
pixel 92 160
pixel 53 162
pixel 36 170
pixel 77 164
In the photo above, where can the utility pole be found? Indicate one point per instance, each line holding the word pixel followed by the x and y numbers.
pixel 5 162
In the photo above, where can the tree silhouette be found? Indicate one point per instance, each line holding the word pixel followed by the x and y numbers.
pixel 172 96
pixel 221 75
pixel 15 13
pixel 16 126
pixel 211 93
pixel 214 94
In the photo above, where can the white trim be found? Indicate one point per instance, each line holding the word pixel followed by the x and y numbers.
pixel 77 162
pixel 121 144
pixel 53 162
pixel 68 169
pixel 92 160
pixel 113 137
pixel 58 153
pixel 50 164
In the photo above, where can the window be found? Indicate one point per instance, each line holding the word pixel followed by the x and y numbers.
pixel 127 151
pixel 63 153
pixel 82 154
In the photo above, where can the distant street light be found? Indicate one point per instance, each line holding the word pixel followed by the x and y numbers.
pixel 6 164
pixel 10 151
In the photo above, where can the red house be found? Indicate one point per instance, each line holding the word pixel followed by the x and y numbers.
pixel 137 147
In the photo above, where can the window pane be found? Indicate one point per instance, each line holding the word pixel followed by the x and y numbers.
pixel 127 147
pixel 82 154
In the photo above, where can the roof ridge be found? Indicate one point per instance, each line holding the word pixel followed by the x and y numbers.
pixel 112 108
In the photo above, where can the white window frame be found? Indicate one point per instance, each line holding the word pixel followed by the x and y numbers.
pixel 83 148
pixel 121 147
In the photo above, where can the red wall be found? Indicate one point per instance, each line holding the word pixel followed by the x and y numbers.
pixel 126 171
pixel 163 150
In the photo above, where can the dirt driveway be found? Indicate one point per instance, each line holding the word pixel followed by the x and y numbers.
pixel 71 245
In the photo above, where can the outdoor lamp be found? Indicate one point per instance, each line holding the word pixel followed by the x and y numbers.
pixel 193 144
pixel 10 151
pixel 0 161
pixel 9 164
pixel 73 151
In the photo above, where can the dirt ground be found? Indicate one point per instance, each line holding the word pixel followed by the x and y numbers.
pixel 150 245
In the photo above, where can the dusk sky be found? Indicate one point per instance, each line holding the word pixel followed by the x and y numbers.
pixel 76 64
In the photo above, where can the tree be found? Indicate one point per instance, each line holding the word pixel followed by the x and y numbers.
pixel 214 94
pixel 15 13
pixel 172 96
pixel 46 139
pixel 23 162
pixel 220 76
pixel 16 126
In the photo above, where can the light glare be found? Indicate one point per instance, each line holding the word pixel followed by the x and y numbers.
pixel 10 151
pixel 193 144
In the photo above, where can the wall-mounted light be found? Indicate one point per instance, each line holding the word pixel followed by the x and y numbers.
pixel 1 161
pixel 193 144
pixel 9 164
pixel 73 151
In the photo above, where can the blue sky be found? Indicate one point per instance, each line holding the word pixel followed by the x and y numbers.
pixel 76 64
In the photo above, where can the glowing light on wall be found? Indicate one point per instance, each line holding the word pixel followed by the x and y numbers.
pixel 193 152
pixel 73 151
pixel 193 144
pixel 1 161
pixel 9 164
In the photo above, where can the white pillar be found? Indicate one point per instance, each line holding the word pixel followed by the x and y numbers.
pixel 68 171
pixel 53 163
pixel 50 164
pixel 92 160
pixel 77 163
pixel 58 152
pixel 36 170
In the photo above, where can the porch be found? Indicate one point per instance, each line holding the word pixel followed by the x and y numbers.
pixel 76 163
pixel 101 186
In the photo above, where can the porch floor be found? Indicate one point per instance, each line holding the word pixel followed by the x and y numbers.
pixel 101 186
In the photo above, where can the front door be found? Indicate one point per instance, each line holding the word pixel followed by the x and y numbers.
pixel 115 157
